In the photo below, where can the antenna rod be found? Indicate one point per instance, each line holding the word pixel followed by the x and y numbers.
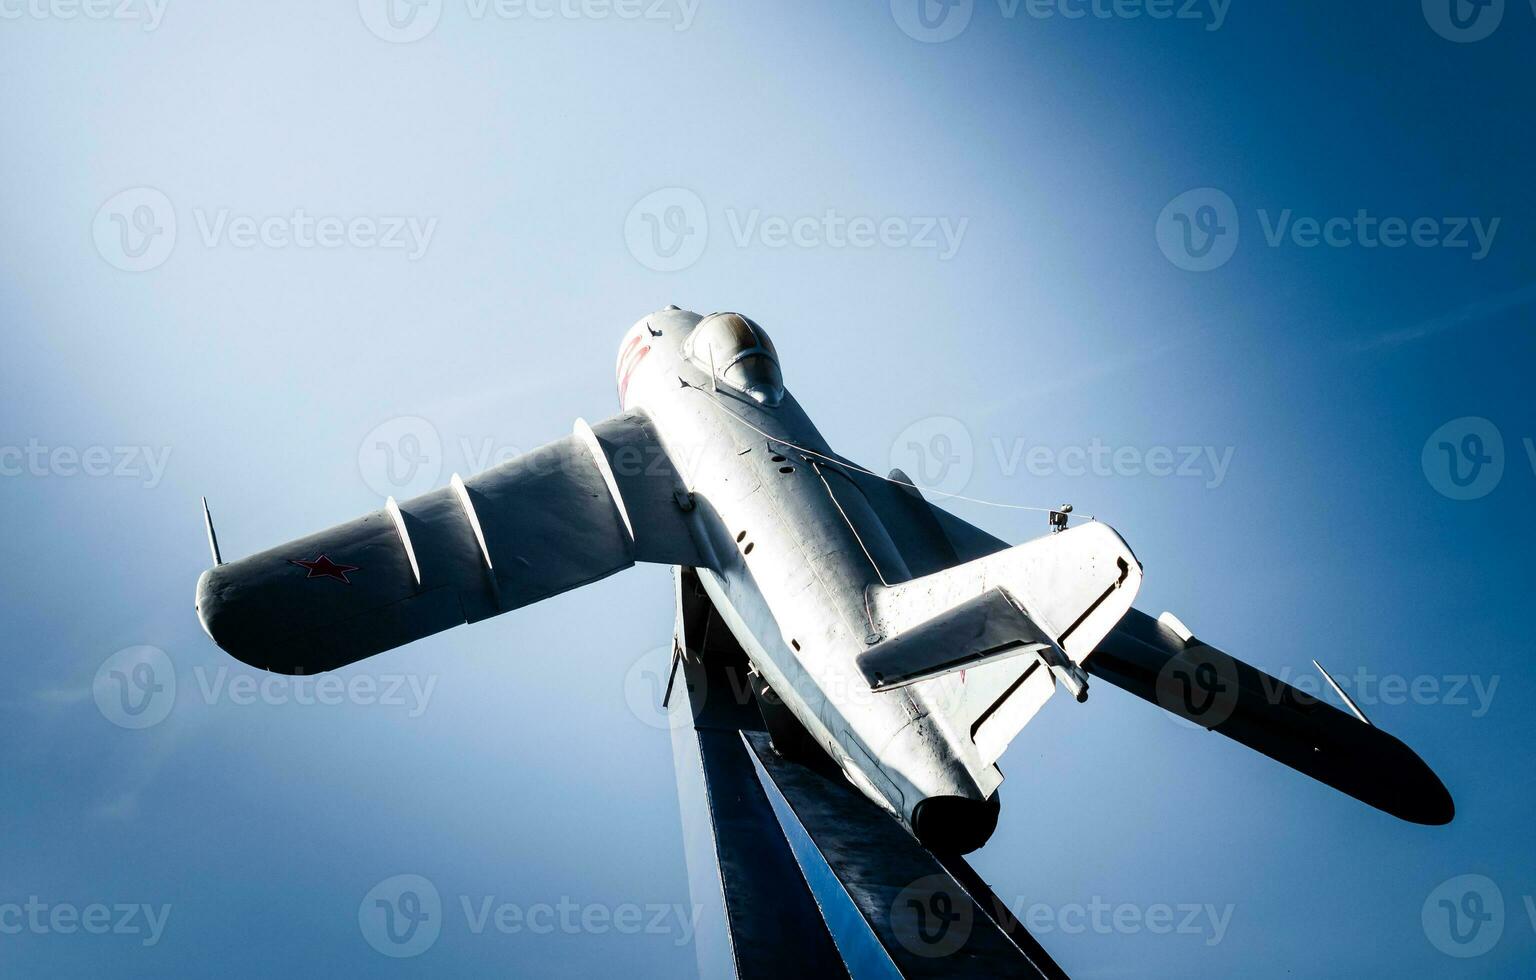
pixel 1340 692
pixel 213 539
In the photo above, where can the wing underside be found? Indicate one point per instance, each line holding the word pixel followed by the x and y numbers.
pixel 569 513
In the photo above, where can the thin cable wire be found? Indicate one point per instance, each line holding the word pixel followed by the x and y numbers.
pixel 859 469
pixel 846 520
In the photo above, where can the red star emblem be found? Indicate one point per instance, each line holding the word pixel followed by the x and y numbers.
pixel 323 567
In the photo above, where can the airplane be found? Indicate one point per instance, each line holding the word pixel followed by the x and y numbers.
pixel 904 646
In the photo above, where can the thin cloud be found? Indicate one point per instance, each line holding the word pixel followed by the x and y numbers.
pixel 1091 370
pixel 1484 309
pixel 136 773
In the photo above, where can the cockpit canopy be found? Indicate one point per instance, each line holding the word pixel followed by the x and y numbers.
pixel 739 354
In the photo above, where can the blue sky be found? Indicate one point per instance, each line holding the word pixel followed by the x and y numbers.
pixel 458 229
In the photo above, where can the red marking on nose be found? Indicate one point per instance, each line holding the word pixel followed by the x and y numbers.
pixel 629 369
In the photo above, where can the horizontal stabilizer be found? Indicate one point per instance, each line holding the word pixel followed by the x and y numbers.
pixel 1207 687
pixel 956 634
pixel 1076 586
pixel 979 631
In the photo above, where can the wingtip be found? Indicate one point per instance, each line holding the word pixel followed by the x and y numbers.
pixel 1439 805
pixel 1417 794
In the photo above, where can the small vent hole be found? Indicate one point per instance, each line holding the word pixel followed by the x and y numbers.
pixel 748 549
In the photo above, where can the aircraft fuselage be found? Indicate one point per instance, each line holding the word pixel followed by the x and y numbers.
pixel 795 562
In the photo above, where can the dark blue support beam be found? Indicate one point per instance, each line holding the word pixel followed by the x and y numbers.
pixel 918 915
pixel 796 873
pixel 758 917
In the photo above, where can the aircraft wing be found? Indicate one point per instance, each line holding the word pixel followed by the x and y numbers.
pixel 1163 664
pixel 571 512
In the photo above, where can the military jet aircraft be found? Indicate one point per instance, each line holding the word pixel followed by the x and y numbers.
pixel 906 644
